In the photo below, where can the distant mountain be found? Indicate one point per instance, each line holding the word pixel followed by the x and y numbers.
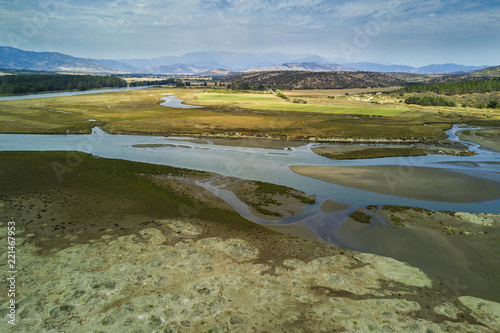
pixel 120 66
pixel 431 69
pixel 373 67
pixel 316 59
pixel 448 69
pixel 11 58
pixel 307 66
pixel 233 61
pixel 179 69
pixel 196 63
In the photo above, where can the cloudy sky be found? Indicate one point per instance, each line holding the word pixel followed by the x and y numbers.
pixel 409 32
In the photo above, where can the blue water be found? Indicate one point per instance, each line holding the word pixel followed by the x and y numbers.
pixel 65 94
pixel 173 102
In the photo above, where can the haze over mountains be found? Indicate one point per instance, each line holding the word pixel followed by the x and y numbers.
pixel 206 63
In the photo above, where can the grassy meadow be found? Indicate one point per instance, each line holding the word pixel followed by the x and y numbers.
pixel 330 114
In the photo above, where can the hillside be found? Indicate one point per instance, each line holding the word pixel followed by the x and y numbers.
pixel 471 93
pixel 216 73
pixel 316 80
pixel 11 58
pixel 456 88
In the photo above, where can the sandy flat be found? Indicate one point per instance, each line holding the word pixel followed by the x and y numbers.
pixel 420 183
pixel 248 143
pixel 488 139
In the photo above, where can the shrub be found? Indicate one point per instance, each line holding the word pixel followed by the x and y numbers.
pixel 281 95
pixel 493 104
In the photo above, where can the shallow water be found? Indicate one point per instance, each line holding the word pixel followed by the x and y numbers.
pixel 174 102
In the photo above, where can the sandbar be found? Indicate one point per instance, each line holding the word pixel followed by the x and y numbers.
pixel 488 138
pixel 421 183
pixel 247 143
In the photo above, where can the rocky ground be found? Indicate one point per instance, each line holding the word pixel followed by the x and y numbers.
pixel 146 283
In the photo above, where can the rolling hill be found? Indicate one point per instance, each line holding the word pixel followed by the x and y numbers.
pixel 216 73
pixel 316 80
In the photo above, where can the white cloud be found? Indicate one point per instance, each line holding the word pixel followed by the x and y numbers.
pixel 248 25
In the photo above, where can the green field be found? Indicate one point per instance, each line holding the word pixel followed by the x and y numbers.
pixel 273 103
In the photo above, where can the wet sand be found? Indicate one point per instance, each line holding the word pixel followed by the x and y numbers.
pixel 248 143
pixel 420 183
pixel 459 248
pixel 488 138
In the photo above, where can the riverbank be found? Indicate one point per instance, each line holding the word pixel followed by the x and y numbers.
pixel 106 249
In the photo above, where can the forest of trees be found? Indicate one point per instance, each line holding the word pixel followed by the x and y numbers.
pixel 455 88
pixel 24 84
pixel 429 101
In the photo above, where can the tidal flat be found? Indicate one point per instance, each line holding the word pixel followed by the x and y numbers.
pixel 111 247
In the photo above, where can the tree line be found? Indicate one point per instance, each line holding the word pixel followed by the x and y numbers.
pixel 429 101
pixel 24 84
pixel 169 81
pixel 455 88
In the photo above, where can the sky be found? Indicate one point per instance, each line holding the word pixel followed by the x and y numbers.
pixel 405 32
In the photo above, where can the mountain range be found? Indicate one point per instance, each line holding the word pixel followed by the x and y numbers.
pixel 203 63
pixel 305 66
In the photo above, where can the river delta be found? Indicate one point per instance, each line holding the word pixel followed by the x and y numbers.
pixel 418 263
